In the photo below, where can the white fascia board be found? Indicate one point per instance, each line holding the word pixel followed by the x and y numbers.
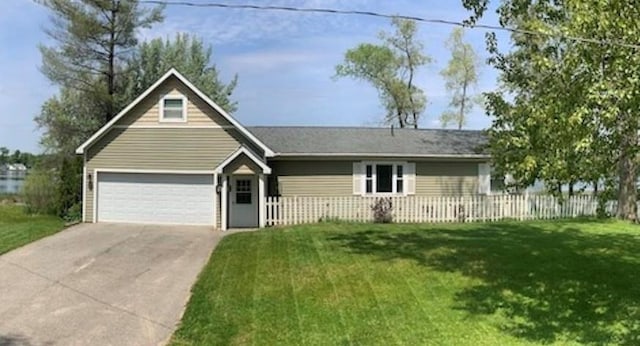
pixel 452 156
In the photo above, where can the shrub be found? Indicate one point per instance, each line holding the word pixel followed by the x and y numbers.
pixel 10 198
pixel 39 192
pixel 69 187
pixel 74 213
pixel 329 219
pixel 382 210
pixel 461 213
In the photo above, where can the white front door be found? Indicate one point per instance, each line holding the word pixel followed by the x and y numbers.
pixel 243 195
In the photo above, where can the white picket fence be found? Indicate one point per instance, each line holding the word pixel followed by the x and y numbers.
pixel 299 210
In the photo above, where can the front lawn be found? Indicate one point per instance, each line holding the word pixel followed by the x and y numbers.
pixel 18 228
pixel 562 282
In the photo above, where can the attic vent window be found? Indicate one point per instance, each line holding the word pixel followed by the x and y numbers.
pixel 173 109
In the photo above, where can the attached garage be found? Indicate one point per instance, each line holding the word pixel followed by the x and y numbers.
pixel 155 198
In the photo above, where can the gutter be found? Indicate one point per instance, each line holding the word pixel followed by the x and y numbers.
pixel 394 155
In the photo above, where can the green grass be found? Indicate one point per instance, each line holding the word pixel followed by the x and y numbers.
pixel 562 282
pixel 18 228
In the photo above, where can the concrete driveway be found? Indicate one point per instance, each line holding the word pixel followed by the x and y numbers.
pixel 101 284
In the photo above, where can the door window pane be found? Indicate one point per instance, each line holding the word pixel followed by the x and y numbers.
pixel 243 191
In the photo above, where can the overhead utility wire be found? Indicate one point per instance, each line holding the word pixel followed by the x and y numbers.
pixel 389 16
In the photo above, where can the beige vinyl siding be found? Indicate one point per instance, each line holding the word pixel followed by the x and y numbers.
pixel 313 178
pixel 147 113
pixel 242 165
pixel 334 178
pixel 446 178
pixel 160 149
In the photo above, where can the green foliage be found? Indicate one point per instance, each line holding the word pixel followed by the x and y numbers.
pixel 461 75
pixel 39 192
pixel 567 111
pixel 92 44
pixel 531 136
pixel 330 219
pixel 4 155
pixel 391 68
pixel 17 156
pixel 68 120
pixel 93 40
pixel 611 82
pixel 187 54
pixel 74 213
pixel 55 189
pixel 69 188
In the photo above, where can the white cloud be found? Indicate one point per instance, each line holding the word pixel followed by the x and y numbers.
pixel 272 59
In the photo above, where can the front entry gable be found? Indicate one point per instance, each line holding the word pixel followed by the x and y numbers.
pixel 243 161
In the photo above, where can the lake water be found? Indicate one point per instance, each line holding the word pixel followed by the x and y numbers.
pixel 10 185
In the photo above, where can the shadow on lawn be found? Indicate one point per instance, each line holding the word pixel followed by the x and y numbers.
pixel 548 284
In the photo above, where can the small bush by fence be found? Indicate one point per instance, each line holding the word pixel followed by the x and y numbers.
pixel 298 210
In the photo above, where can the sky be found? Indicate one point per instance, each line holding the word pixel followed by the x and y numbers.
pixel 284 61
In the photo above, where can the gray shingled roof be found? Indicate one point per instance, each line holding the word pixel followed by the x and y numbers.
pixel 371 141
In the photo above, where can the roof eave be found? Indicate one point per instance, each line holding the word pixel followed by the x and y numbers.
pixel 392 155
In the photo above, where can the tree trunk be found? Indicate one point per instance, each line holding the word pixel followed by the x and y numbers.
pixel 111 61
pixel 627 188
pixel 410 83
pixel 571 192
pixel 627 173
pixel 462 105
pixel 400 120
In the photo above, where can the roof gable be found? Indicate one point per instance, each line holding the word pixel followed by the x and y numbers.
pixel 248 153
pixel 174 73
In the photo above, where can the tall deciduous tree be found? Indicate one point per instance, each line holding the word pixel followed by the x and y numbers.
pixel 68 119
pixel 612 77
pixel 93 39
pixel 568 110
pixel 391 67
pixel 187 54
pixel 461 76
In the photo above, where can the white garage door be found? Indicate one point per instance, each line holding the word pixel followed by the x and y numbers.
pixel 156 198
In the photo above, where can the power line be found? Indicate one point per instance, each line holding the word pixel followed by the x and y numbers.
pixel 389 16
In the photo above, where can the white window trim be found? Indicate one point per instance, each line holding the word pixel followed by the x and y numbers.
pixel 161 117
pixel 394 178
